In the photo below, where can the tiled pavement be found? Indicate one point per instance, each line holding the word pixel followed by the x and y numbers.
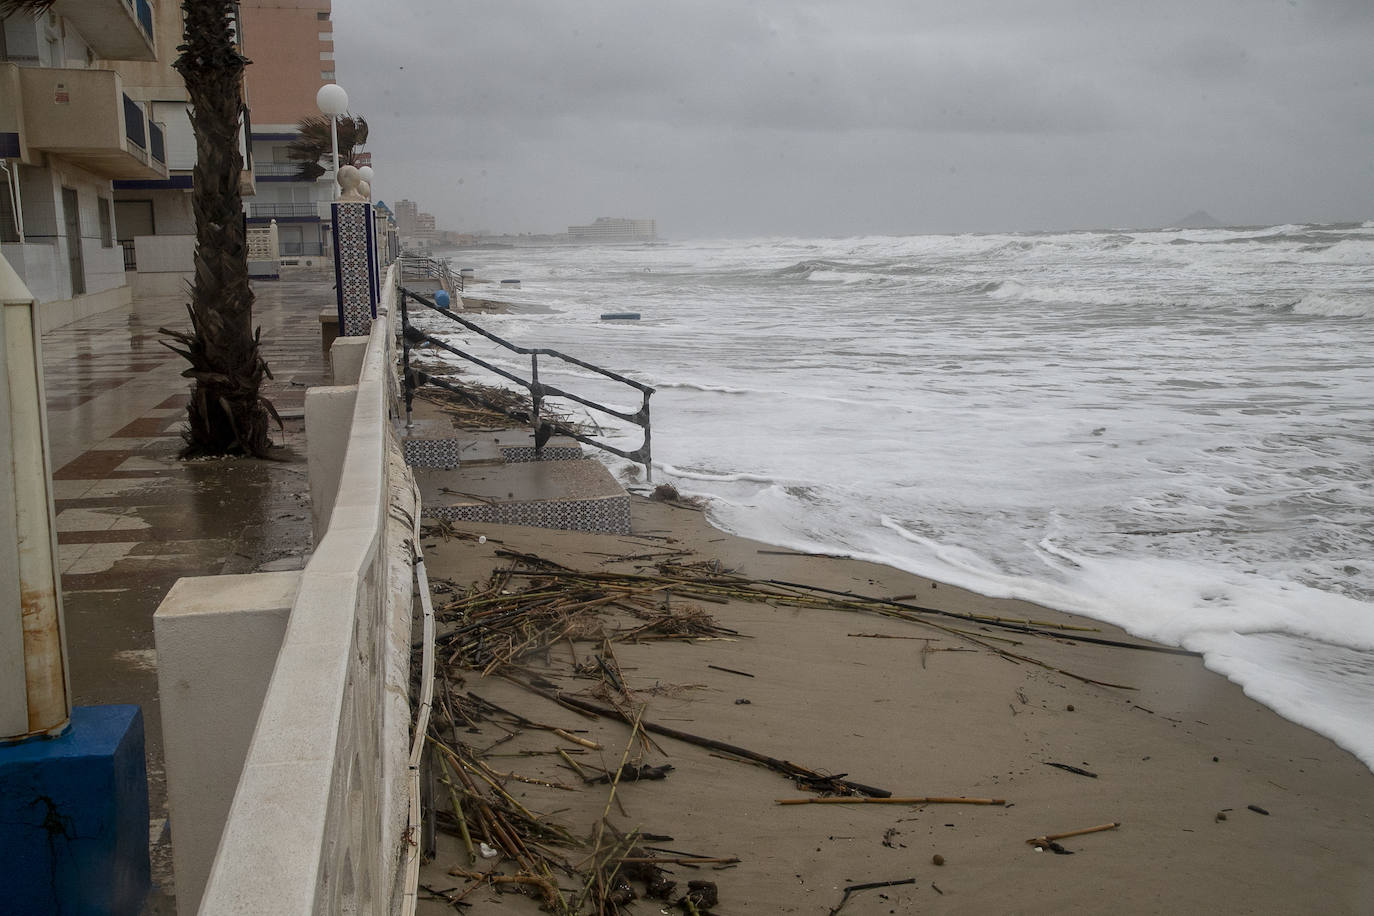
pixel 132 518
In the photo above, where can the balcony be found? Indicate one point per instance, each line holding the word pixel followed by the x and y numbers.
pixel 286 210
pixel 279 170
pixel 115 29
pixel 84 117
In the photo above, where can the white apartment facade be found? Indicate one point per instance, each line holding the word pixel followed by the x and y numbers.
pixel 70 127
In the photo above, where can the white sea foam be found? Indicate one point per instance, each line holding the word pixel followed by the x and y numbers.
pixel 1166 430
pixel 1336 305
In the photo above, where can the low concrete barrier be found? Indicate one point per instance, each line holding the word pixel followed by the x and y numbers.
pixel 319 810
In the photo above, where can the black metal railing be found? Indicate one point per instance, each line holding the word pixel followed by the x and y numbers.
pixel 130 257
pixel 285 209
pixel 538 390
pixel 277 169
pixel 133 124
pixel 426 268
pixel 156 145
pixel 145 18
pixel 312 249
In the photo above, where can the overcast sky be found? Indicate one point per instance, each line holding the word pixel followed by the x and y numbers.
pixel 842 117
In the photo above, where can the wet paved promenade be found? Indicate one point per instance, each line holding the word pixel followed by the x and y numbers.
pixel 132 518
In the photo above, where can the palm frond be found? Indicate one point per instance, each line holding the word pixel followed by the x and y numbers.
pixel 32 7
pixel 312 144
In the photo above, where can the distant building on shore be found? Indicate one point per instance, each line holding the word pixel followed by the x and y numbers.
pixel 614 229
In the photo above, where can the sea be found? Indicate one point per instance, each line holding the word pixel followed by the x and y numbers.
pixel 1168 430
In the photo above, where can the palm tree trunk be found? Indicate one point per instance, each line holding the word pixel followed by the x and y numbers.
pixel 227 414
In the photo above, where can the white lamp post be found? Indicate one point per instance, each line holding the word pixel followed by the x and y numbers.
pixel 333 101
pixel 365 173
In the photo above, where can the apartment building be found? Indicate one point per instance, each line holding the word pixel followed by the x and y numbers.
pixel 157 227
pixel 291 44
pixel 69 128
pixel 613 230
pixel 417 229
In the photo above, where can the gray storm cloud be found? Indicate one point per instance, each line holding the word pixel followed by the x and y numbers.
pixel 865 117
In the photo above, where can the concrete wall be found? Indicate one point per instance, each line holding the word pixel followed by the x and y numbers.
pixel 158 254
pixel 319 810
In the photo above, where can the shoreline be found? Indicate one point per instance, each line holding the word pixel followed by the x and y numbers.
pixel 1178 760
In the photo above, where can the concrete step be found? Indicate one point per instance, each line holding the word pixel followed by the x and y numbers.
pixel 434 443
pixel 578 495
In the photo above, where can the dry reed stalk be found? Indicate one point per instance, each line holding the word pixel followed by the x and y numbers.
pixel 908 800
pixel 1051 837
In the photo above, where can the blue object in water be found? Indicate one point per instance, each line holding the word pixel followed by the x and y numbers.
pixel 441 298
pixel 74 817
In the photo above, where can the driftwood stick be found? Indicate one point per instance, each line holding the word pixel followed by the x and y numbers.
pixel 844 898
pixel 785 767
pixel 679 860
pixel 909 800
pixel 1050 838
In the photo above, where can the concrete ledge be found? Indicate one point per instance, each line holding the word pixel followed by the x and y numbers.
pixel 328 424
pixel 174 283
pixel 309 830
pixel 217 642
pixel 346 356
pixel 329 327
pixel 65 311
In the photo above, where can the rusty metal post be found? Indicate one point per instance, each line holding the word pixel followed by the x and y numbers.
pixel 35 696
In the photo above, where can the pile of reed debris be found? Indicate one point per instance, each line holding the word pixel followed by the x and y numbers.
pixel 535 621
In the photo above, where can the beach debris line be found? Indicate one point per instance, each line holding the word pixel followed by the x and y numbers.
pixel 708 582
pixel 500 834
pixel 544 626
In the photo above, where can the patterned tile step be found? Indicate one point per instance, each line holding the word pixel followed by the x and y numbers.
pixel 431 453
pixel 520 453
pixel 608 515
pixel 579 495
pixel 442 452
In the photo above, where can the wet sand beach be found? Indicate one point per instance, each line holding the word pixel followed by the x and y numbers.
pixel 1220 804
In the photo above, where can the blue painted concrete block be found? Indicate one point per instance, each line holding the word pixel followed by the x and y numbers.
pixel 74 817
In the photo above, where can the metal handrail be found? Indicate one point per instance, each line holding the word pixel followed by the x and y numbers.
pixel 413 378
pixel 415 268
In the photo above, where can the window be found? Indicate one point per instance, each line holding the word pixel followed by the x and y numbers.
pixel 327 75
pixel 326 55
pixel 106 223
pixel 326 36
pixel 322 15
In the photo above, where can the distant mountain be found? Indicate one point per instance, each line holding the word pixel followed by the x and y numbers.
pixel 1199 219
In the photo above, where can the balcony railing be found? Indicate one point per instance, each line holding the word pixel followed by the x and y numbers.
pixel 156 144
pixel 302 249
pixel 133 124
pixel 276 169
pixel 91 122
pixel 280 210
pixel 145 17
pixel 115 29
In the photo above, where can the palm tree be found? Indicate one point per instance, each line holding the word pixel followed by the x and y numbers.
pixel 314 143
pixel 227 414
